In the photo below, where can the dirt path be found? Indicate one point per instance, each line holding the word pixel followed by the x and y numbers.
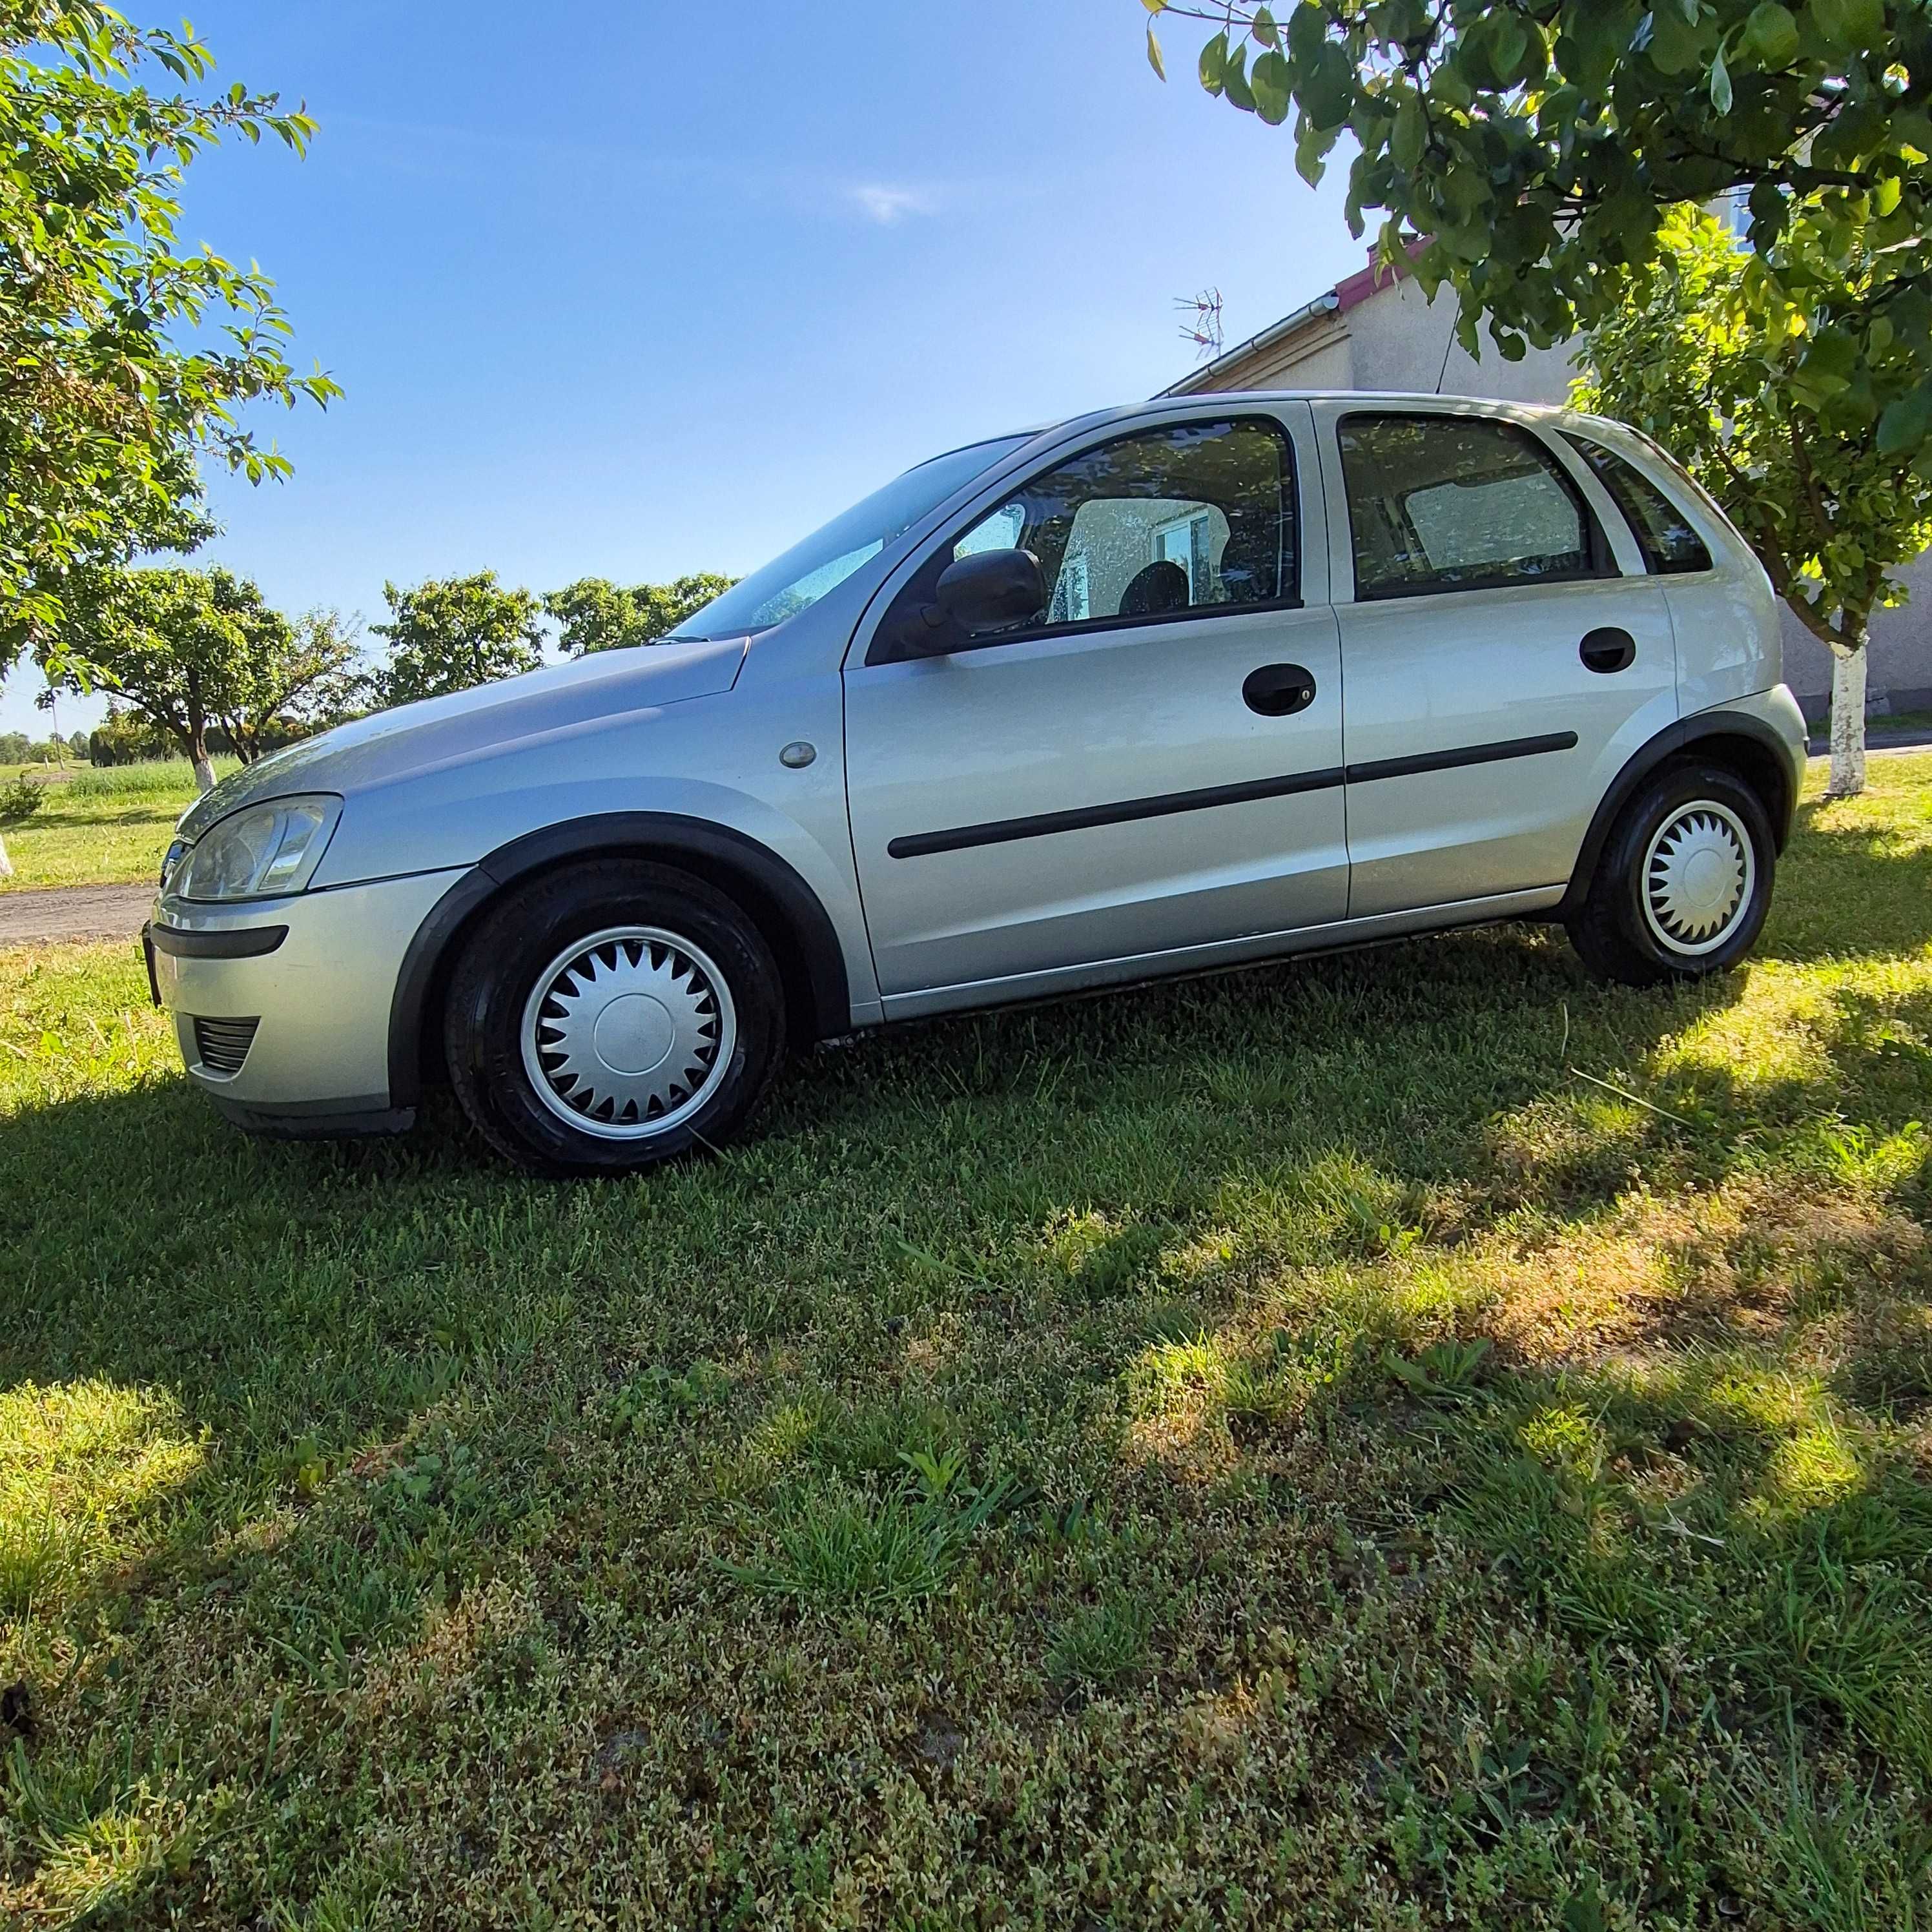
pixel 67 912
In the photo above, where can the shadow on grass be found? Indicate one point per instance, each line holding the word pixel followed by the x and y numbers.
pixel 1151 1256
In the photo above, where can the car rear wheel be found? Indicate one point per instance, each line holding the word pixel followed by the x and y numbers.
pixel 618 1015
pixel 1684 882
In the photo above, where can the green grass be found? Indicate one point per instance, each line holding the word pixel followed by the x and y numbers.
pixel 99 825
pixel 1284 1450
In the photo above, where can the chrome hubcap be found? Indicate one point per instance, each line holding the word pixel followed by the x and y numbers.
pixel 628 1032
pixel 1697 878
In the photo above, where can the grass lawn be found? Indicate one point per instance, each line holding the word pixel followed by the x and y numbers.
pixel 1396 1441
pixel 98 827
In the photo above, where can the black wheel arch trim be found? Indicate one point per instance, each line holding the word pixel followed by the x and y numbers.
pixel 1685 735
pixel 715 853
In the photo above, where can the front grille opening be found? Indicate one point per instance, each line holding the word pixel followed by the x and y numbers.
pixel 223 1045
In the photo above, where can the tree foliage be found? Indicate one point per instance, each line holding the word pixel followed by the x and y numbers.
pixel 594 614
pixel 1832 517
pixel 124 353
pixel 1538 146
pixel 300 679
pixel 447 635
pixel 192 650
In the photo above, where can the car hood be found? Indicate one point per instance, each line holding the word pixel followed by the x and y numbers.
pixel 390 744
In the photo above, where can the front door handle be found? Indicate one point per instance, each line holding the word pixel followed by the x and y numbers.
pixel 1279 690
pixel 1608 650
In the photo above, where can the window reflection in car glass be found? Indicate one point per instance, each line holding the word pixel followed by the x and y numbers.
pixel 1455 503
pixel 1186 517
pixel 1671 548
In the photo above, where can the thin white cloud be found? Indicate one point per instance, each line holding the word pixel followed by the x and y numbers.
pixel 887 204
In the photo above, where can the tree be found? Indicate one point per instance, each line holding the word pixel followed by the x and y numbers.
pixel 182 647
pixel 125 355
pixel 1531 153
pixel 448 635
pixel 297 679
pixel 593 614
pixel 1830 518
pixel 126 737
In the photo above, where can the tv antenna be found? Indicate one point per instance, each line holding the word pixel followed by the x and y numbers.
pixel 1202 323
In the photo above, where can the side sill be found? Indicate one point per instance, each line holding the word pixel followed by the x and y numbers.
pixel 1340 936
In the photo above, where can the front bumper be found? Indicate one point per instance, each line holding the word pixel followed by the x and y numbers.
pixel 317 972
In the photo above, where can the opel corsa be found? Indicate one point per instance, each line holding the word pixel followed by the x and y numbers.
pixel 1160 690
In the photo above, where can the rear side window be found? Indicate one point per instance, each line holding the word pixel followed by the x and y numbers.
pixel 1671 548
pixel 1456 503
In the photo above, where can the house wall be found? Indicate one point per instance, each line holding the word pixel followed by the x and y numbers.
pixel 1393 337
pixel 1404 341
pixel 1320 356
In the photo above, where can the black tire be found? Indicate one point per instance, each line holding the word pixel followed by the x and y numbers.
pixel 494 1028
pixel 1626 930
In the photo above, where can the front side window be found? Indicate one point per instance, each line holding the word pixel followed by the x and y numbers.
pixel 1443 503
pixel 1671 548
pixel 1192 516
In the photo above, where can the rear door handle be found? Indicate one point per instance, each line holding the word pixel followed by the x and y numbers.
pixel 1608 650
pixel 1279 690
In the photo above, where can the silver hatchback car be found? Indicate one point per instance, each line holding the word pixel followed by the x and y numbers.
pixel 1157 690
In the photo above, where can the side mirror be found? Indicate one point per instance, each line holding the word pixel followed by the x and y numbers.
pixel 987 590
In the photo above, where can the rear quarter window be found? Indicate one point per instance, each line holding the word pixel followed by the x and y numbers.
pixel 1671 547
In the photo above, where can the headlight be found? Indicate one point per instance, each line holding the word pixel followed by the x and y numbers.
pixel 260 852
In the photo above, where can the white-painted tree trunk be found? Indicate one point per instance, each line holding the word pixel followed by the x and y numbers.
pixel 6 864
pixel 1848 725
pixel 204 774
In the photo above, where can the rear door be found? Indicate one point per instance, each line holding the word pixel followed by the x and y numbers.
pixel 1150 762
pixel 1501 663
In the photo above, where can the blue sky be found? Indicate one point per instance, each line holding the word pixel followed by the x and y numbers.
pixel 632 295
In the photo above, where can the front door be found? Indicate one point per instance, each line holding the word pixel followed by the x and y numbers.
pixel 1500 667
pixel 1149 763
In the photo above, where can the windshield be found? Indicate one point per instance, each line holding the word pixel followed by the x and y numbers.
pixel 795 581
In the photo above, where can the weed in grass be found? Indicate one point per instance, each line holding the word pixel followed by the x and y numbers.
pixel 1446 1372
pixel 654 1396
pixel 1100 1644
pixel 1834 1853
pixel 841 1545
pixel 20 799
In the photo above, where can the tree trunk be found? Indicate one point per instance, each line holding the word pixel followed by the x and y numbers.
pixel 196 746
pixel 1848 723
pixel 6 864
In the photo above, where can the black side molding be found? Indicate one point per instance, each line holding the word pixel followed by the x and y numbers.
pixel 1162 804
pixel 244 943
pixel 1462 754
pixel 1002 831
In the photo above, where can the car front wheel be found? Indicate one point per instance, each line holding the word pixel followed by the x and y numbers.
pixel 613 1016
pixel 1684 882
